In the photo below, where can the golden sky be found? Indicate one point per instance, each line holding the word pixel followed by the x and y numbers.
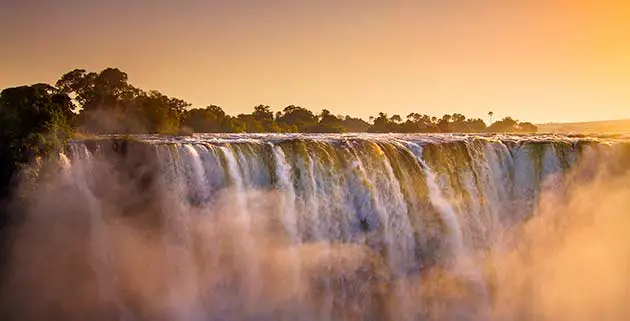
pixel 536 60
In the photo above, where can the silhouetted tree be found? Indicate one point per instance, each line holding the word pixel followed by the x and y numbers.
pixel 444 124
pixel 355 125
pixel 264 116
pixel 158 113
pixel 381 124
pixel 527 127
pixel 34 122
pixel 211 119
pixel 297 119
pixel 329 123
pixel 510 125
pixel 476 125
pixel 106 102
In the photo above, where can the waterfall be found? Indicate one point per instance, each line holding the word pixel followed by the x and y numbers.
pixel 315 227
pixel 100 244
pixel 285 184
pixel 455 238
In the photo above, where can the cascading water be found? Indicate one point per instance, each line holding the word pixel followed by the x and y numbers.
pixel 99 243
pixel 318 227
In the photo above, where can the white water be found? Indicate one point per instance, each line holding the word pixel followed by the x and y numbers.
pixel 100 243
pixel 337 199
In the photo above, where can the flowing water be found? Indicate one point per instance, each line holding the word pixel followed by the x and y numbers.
pixel 300 227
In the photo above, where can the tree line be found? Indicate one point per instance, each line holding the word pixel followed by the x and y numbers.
pixel 105 102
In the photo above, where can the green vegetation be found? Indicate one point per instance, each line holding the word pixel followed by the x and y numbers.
pixel 34 122
pixel 105 102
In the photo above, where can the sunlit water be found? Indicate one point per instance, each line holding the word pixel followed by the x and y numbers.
pixel 301 227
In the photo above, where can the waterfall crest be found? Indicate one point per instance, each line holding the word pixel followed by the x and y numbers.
pixel 309 227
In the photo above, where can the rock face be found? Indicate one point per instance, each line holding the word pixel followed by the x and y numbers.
pixel 286 227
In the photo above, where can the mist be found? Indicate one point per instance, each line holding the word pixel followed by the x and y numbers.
pixel 105 241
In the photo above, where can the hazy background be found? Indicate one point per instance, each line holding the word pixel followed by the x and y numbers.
pixel 534 60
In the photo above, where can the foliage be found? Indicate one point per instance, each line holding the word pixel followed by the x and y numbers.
pixel 297 119
pixel 329 123
pixel 355 125
pixel 211 119
pixel 158 113
pixel 106 102
pixel 34 122
pixel 510 125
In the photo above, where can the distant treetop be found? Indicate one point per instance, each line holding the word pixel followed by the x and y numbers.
pixel 105 102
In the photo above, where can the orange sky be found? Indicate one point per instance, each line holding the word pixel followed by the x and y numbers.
pixel 536 60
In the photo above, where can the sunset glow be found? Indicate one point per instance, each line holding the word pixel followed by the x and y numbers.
pixel 538 61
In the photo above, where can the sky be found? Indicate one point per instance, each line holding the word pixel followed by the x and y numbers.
pixel 535 60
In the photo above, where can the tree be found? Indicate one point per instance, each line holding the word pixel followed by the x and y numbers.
pixel 97 91
pixel 444 124
pixel 329 123
pixel 107 102
pixel 382 124
pixel 79 85
pixel 527 127
pixel 299 118
pixel 458 118
pixel 34 122
pixel 476 125
pixel 211 119
pixel 263 113
pixel 417 123
pixel 507 124
pixel 355 125
pixel 250 124
pixel 158 113
pixel 264 116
